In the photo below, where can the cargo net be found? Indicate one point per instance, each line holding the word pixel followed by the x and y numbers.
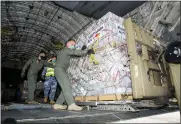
pixel 108 73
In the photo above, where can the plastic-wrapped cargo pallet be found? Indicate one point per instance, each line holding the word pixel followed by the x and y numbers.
pixel 107 72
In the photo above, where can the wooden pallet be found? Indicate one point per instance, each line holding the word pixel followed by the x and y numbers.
pixel 112 97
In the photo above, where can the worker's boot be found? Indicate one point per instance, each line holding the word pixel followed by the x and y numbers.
pixel 60 107
pixel 52 102
pixel 45 100
pixel 74 107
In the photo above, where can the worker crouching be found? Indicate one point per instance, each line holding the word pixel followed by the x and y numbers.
pixel 50 83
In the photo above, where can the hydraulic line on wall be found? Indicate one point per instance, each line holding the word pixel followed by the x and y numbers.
pixel 7 4
pixel 17 39
pixel 47 26
pixel 31 25
pixel 34 22
pixel 25 22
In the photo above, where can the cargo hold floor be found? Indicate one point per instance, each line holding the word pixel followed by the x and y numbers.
pixel 45 115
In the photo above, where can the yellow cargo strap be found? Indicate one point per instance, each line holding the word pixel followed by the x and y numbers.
pixel 92 58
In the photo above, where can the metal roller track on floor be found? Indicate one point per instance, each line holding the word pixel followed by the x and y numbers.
pixel 24 106
pixel 99 105
pixel 62 116
pixel 109 105
pixel 121 105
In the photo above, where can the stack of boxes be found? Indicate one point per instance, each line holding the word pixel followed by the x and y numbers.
pixel 108 71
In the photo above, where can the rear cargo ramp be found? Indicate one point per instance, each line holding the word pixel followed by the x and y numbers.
pixel 121 69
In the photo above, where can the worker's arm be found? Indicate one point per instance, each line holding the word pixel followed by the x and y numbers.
pixel 76 52
pixel 47 64
pixel 90 51
pixel 44 71
pixel 27 64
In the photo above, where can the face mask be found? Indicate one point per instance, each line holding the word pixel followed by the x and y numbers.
pixel 72 47
pixel 53 61
pixel 43 57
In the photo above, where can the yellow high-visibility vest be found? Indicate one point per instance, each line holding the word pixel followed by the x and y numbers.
pixel 50 71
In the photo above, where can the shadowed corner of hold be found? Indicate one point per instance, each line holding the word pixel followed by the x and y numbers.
pixel 9 121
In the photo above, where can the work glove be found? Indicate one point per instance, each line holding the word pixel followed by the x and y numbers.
pixel 90 51
pixel 84 47
pixel 22 74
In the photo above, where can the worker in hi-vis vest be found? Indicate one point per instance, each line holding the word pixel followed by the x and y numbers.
pixel 50 84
